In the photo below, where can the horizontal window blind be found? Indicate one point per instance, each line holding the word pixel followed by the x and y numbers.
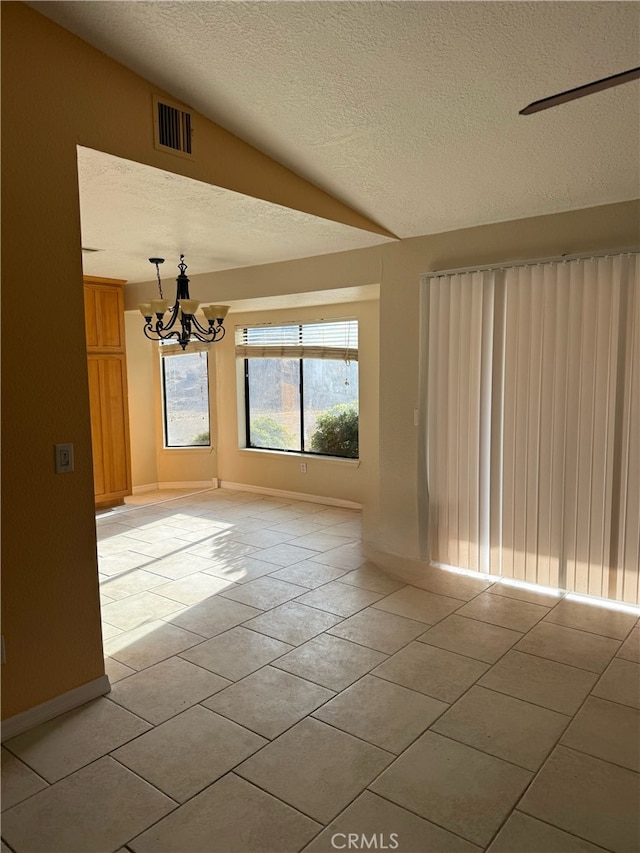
pixel 324 340
pixel 170 348
pixel 533 418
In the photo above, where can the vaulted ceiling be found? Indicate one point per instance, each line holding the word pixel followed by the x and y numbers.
pixel 406 111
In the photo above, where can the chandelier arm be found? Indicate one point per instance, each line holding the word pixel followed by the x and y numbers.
pixel 209 338
pixel 157 335
pixel 175 311
pixel 149 332
pixel 199 327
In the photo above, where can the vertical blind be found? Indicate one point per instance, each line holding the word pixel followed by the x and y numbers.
pixel 532 398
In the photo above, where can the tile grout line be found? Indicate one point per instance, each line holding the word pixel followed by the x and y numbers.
pixel 553 826
pixel 411 811
pixel 597 758
pixel 544 764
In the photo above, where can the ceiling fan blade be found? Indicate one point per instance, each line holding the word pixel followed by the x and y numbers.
pixel 581 91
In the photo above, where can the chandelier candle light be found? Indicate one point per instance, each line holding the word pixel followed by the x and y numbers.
pixel 182 323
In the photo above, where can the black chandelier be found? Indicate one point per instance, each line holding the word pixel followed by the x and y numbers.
pixel 181 324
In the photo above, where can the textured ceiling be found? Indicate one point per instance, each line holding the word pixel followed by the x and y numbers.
pixel 132 212
pixel 406 111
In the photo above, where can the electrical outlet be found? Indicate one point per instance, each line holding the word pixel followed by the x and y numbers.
pixel 64 458
pixel 303 467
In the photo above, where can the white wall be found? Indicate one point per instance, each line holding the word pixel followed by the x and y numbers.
pixel 141 382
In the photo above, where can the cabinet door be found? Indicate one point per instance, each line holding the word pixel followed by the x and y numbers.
pixel 110 314
pixel 115 425
pixel 91 317
pixel 95 403
pixel 109 427
pixel 104 315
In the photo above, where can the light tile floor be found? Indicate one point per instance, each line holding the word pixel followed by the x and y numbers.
pixel 274 692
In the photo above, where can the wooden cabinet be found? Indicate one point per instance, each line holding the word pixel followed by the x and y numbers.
pixel 104 314
pixel 107 365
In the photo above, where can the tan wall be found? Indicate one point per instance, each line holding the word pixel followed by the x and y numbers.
pixel 50 604
pixel 142 383
pixel 58 92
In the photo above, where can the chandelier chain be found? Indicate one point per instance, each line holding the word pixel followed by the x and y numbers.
pixel 159 281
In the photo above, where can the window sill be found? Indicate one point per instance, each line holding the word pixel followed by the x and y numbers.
pixel 194 449
pixel 300 457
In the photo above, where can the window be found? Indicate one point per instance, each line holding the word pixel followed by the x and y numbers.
pixel 185 394
pixel 301 387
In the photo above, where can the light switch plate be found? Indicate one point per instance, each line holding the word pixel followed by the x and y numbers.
pixel 64 458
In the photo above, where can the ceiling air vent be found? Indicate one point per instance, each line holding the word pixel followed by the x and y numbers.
pixel 172 128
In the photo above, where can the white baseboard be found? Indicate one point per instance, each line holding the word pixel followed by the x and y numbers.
pixel 297 496
pixel 26 720
pixel 188 484
pixel 414 570
pixel 408 569
pixel 149 487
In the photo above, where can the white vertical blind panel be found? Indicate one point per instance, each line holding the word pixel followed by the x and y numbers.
pixel 547 565
pixel 584 436
pixel 474 430
pixel 441 494
pixel 434 418
pixel 458 353
pixel 627 581
pixel 510 484
pixel 603 415
pixel 453 419
pixel 437 402
pixel 573 373
pixel 534 431
pixel 465 406
pixel 494 485
pixel 525 331
pixel 551 425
